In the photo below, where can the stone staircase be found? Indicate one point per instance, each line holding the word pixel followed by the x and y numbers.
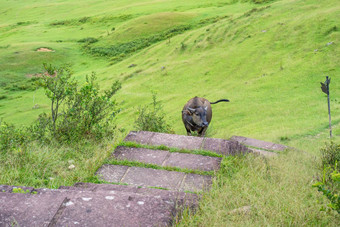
pixel 157 175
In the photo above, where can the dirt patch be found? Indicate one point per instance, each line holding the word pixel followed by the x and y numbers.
pixel 40 75
pixel 44 49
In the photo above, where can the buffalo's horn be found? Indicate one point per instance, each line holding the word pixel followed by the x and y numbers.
pixel 191 109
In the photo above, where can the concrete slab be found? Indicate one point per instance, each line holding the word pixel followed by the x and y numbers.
pixel 177 141
pixel 100 187
pixel 112 173
pixel 19 209
pixel 192 161
pixel 169 140
pixel 142 137
pixel 149 156
pixel 225 147
pixel 195 183
pixel 181 198
pixel 104 208
pixel 153 177
pixel 93 205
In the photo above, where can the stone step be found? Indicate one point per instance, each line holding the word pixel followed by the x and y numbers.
pixel 259 143
pixel 101 207
pixel 181 198
pixel 147 177
pixel 219 146
pixel 166 158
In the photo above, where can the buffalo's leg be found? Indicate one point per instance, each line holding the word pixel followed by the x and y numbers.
pixel 202 132
pixel 188 131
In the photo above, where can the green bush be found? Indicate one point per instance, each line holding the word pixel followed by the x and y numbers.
pixel 89 113
pixel 330 187
pixel 329 182
pixel 152 118
pixel 330 154
pixel 88 40
pixel 75 113
pixel 12 138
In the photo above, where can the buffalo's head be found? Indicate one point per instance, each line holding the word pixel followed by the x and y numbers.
pixel 199 116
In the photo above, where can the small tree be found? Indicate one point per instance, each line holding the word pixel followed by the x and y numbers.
pixel 90 109
pixel 58 87
pixel 75 113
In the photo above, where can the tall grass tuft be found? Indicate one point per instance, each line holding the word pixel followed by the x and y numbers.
pixel 152 118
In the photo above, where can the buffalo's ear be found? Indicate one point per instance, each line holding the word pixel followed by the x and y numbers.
pixel 191 110
pixel 187 112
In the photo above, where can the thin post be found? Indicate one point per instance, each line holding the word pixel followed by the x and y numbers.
pixel 329 107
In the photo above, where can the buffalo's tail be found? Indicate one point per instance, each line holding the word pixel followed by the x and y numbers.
pixel 221 100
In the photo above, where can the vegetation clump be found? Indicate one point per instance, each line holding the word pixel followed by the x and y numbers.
pixel 119 51
pixel 329 182
pixel 152 118
pixel 85 111
pixel 88 40
pixel 77 113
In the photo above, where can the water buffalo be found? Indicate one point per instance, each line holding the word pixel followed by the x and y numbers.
pixel 197 114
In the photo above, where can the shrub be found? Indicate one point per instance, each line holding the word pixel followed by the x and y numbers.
pixel 329 182
pixel 75 114
pixel 89 113
pixel 12 138
pixel 152 118
pixel 330 155
pixel 88 40
pixel 330 187
pixel 58 88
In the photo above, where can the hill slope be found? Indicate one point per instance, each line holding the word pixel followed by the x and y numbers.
pixel 268 59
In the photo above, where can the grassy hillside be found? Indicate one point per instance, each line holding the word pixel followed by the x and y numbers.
pixel 267 57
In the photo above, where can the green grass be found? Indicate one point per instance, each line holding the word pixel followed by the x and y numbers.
pixel 268 59
pixel 48 166
pixel 278 190
pixel 113 161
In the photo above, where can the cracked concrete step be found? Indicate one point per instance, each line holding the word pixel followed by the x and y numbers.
pixel 18 209
pixel 166 158
pixel 147 177
pixel 181 198
pixel 259 143
pixel 219 146
pixel 85 208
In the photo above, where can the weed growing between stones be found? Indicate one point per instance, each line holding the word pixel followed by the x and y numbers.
pixel 20 190
pixel 153 166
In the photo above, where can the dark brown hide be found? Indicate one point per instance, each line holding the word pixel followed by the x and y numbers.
pixel 197 114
